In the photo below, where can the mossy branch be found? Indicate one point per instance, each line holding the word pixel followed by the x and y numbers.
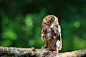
pixel 31 52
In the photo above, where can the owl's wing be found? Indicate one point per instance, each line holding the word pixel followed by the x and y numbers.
pixel 59 40
pixel 41 27
pixel 43 24
pixel 43 31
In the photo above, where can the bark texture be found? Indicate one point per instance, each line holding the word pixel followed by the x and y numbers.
pixel 32 52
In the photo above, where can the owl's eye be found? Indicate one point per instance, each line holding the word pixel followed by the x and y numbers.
pixel 46 19
pixel 52 18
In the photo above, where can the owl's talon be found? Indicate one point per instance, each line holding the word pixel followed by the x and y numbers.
pixel 54 51
pixel 44 46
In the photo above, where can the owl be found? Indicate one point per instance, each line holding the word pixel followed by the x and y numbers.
pixel 51 33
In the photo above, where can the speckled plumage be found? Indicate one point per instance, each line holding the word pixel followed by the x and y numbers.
pixel 51 33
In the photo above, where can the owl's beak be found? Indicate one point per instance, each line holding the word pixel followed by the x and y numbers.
pixel 49 23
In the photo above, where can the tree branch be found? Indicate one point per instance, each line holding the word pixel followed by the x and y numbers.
pixel 31 52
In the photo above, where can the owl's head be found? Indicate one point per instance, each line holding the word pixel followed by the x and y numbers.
pixel 50 19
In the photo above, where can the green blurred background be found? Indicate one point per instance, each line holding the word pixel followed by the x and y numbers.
pixel 20 22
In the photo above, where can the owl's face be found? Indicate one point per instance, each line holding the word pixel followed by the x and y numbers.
pixel 50 19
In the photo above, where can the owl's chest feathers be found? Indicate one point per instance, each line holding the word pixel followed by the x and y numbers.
pixel 50 32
